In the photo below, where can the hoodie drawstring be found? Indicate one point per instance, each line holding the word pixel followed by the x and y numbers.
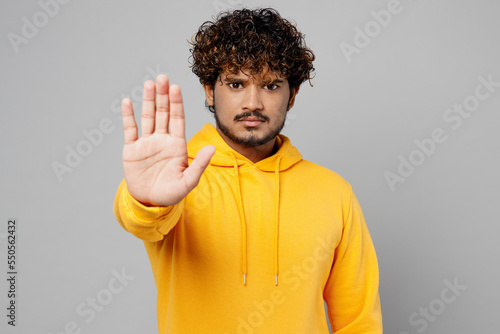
pixel 241 211
pixel 239 203
pixel 277 221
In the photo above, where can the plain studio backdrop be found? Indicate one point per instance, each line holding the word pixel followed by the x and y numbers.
pixel 404 105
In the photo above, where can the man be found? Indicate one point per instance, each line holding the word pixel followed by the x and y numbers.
pixel 243 235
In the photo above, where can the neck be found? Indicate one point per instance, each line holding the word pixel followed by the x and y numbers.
pixel 252 153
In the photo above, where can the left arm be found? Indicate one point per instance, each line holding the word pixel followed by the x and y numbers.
pixel 351 292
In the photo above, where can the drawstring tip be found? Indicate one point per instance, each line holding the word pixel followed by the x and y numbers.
pixel 276 279
pixel 244 279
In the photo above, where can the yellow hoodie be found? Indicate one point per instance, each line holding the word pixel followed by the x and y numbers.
pixel 256 247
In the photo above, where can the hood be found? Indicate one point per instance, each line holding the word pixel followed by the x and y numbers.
pixel 286 156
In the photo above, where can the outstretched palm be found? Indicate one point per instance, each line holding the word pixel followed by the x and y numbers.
pixel 156 164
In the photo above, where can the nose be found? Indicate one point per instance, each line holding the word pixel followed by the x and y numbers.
pixel 253 99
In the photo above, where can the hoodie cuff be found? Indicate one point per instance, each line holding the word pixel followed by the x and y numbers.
pixel 149 223
pixel 143 213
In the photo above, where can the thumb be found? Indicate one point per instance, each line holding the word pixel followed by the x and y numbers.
pixel 193 173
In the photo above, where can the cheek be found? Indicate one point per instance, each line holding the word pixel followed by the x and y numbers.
pixel 224 102
pixel 285 99
pixel 282 106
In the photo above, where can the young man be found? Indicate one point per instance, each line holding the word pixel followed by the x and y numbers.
pixel 243 235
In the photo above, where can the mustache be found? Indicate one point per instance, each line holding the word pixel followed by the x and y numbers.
pixel 249 114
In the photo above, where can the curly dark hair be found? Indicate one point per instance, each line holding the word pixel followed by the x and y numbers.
pixel 250 39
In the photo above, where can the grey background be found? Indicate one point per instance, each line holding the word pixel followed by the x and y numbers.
pixel 360 116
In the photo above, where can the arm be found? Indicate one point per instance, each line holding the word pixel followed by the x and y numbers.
pixel 149 223
pixel 157 174
pixel 351 292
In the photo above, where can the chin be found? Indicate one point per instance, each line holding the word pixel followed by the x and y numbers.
pixel 251 136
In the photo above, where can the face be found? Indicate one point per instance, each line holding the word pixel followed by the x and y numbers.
pixel 250 110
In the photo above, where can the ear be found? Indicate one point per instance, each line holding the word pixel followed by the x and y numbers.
pixel 293 93
pixel 209 94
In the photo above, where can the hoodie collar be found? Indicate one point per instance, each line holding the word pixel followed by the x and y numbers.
pixel 287 155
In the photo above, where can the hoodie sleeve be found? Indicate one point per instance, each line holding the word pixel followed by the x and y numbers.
pixel 145 222
pixel 351 292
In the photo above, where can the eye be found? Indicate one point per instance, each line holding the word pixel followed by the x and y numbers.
pixel 272 87
pixel 235 85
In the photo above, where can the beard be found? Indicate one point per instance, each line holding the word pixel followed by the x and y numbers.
pixel 252 140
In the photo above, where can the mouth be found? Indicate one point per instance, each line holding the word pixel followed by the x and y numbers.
pixel 251 121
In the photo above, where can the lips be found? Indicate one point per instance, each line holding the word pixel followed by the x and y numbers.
pixel 251 121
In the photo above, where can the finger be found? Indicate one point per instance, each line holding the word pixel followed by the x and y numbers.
pixel 176 122
pixel 129 125
pixel 161 118
pixel 148 109
pixel 193 173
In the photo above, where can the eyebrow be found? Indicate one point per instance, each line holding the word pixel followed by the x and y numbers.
pixel 237 80
pixel 234 80
pixel 275 81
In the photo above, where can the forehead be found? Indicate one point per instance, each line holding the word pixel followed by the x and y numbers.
pixel 245 74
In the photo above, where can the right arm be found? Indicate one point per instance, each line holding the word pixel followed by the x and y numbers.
pixel 149 223
pixel 158 177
